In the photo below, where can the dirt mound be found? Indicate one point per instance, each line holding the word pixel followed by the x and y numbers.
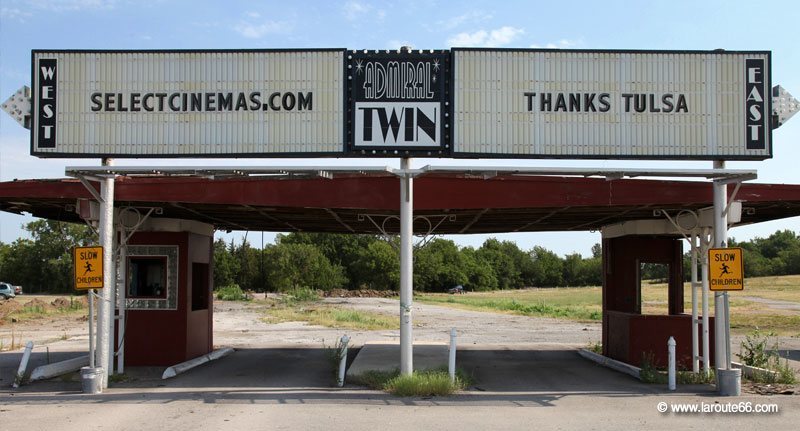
pixel 38 303
pixel 83 300
pixel 60 303
pixel 363 293
pixel 7 307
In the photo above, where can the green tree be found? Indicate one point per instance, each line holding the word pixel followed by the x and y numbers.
pixel 226 266
pixel 512 267
pixel 548 268
pixel 345 250
pixel 479 272
pixel 376 267
pixel 292 266
pixel 438 266
pixel 44 262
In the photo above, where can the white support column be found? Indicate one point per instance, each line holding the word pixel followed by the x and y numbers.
pixel 112 292
pixel 704 240
pixel 406 268
pixel 105 319
pixel 721 327
pixel 121 286
pixel 720 240
pixel 695 323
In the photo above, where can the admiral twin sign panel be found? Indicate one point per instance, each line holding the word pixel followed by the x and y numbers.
pixel 457 103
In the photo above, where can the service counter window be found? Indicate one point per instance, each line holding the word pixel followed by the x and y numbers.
pixel 152 277
pixel 147 277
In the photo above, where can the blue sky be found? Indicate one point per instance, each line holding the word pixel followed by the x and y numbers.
pixel 164 24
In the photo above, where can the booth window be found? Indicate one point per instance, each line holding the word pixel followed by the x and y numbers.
pixel 200 291
pixel 147 277
pixel 653 287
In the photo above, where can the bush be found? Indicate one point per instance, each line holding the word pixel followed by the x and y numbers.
pixel 759 350
pixel 302 294
pixel 232 292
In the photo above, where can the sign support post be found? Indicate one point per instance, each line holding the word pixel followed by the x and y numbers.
pixel 90 295
pixel 704 269
pixel 105 319
pixel 722 324
pixel 406 267
pixel 89 275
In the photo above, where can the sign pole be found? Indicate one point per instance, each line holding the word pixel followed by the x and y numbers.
pixel 406 268
pixel 88 275
pixel 705 281
pixel 91 327
pixel 725 384
pixel 105 319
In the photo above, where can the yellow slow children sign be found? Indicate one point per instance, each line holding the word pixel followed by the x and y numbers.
pixel 725 269
pixel 88 267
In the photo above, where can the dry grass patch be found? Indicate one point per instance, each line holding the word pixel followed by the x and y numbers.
pixel 328 316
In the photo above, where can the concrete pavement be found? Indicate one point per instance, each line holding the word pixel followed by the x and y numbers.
pixel 285 387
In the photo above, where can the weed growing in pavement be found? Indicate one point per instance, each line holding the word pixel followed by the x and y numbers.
pixel 334 354
pixel 649 373
pixel 596 347
pixel 760 349
pixel 419 384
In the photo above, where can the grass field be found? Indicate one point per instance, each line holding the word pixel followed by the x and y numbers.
pixel 585 303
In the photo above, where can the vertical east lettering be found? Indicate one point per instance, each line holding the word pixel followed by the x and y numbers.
pixel 755 105
pixel 46 103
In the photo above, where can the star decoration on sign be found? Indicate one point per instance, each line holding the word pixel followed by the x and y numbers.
pixel 436 65
pixel 359 66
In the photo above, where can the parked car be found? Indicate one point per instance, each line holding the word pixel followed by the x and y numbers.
pixel 456 290
pixel 6 290
pixel 18 290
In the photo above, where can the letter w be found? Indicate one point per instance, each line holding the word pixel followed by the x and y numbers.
pixel 47 72
pixel 387 123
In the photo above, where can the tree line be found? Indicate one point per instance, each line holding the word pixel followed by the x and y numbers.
pixel 43 262
pixel 334 261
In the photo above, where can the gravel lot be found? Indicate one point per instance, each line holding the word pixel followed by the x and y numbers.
pixel 237 324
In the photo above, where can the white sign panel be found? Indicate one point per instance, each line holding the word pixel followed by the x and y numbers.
pixel 188 103
pixel 611 105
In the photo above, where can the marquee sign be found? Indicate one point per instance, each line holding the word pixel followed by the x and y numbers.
pixel 462 103
pixel 399 102
pixel 612 104
pixel 187 103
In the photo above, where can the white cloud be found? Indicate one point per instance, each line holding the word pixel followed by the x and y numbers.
pixel 259 30
pixel 482 38
pixel 560 44
pixel 254 15
pixel 72 5
pixel 354 9
pixel 359 10
pixel 468 17
pixel 14 13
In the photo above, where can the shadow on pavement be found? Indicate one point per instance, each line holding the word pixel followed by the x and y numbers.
pixel 503 376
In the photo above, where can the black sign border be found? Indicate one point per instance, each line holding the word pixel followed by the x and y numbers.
pixel 70 155
pixel 426 152
pixel 444 150
pixel 767 120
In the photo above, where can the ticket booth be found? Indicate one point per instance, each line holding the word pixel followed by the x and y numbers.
pixel 168 293
pixel 628 335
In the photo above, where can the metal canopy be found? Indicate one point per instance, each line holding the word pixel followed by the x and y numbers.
pixel 449 203
pixel 727 175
